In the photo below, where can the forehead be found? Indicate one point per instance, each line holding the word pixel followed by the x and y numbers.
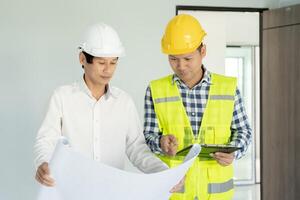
pixel 108 59
pixel 184 55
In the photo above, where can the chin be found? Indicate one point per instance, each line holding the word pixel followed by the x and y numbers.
pixel 184 77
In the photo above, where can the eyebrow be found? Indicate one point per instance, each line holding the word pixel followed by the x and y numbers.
pixel 189 57
pixel 102 59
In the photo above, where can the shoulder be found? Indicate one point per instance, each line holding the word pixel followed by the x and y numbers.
pixel 218 78
pixel 67 89
pixel 120 95
pixel 162 79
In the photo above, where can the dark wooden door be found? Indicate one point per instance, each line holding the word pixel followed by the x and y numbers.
pixel 280 110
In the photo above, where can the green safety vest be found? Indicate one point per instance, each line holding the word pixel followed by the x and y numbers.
pixel 206 179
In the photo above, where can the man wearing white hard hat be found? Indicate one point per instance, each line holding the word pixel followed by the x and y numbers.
pixel 99 120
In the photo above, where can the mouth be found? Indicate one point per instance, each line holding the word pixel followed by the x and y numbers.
pixel 105 77
pixel 182 73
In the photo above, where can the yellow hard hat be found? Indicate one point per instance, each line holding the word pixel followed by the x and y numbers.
pixel 183 34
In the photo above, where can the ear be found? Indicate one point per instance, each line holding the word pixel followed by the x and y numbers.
pixel 203 51
pixel 82 59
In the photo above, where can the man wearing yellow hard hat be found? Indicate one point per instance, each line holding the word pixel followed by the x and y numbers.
pixel 194 105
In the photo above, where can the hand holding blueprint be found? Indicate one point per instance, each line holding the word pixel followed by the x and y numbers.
pixel 78 178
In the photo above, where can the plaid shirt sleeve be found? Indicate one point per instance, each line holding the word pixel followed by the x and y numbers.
pixel 241 131
pixel 151 130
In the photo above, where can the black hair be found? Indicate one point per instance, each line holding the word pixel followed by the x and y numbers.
pixel 200 47
pixel 89 58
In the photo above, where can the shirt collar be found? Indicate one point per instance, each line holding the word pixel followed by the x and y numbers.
pixel 206 77
pixel 109 91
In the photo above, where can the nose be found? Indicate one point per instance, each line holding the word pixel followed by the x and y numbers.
pixel 180 64
pixel 108 68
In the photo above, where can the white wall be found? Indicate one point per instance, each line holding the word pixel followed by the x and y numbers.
pixel 38 53
pixel 283 3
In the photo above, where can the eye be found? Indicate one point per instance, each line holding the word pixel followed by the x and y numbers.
pixel 101 63
pixel 187 59
pixel 173 59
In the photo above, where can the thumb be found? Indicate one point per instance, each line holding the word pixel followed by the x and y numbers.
pixel 173 139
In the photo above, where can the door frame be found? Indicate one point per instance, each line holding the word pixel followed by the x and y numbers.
pixel 241 9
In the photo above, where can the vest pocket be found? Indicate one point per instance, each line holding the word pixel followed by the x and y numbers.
pixel 215 134
pixel 190 184
pixel 183 135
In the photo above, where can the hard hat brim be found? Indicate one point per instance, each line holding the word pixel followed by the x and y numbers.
pixel 101 53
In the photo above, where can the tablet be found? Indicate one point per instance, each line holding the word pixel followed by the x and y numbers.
pixel 207 149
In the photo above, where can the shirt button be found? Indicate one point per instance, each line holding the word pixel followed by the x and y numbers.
pixel 193 113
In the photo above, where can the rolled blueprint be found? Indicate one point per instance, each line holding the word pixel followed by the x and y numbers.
pixel 77 178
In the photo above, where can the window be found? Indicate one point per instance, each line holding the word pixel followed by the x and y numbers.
pixel 241 62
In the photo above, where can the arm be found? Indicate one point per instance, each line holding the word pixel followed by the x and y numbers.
pixel 240 128
pixel 151 130
pixel 158 144
pixel 240 133
pixel 46 139
pixel 136 148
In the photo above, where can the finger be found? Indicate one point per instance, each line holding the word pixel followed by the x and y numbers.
pixel 164 145
pixel 166 148
pixel 220 160
pixel 45 178
pixel 220 155
pixel 181 184
pixel 173 139
pixel 172 151
pixel 228 158
pixel 38 178
pixel 47 182
pixel 166 141
pixel 45 168
pixel 224 155
pixel 178 187
pixel 40 174
pixel 42 181
pixel 223 161
pixel 175 188
pixel 48 179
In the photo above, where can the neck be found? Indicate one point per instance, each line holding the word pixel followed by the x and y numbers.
pixel 97 90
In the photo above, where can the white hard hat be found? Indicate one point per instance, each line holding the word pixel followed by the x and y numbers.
pixel 101 40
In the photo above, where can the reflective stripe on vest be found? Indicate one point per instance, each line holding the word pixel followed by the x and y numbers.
pixel 221 97
pixel 220 187
pixel 167 99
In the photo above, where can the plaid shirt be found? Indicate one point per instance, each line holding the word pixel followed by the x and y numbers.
pixel 194 101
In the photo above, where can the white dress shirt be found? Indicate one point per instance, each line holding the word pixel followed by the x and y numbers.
pixel 104 130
